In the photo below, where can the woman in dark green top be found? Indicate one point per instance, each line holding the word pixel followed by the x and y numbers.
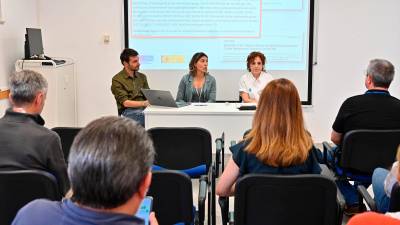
pixel 278 142
pixel 198 85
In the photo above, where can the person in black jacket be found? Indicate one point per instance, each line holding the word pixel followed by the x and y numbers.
pixel 24 143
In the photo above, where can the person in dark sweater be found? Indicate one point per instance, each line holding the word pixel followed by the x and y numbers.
pixel 278 142
pixel 24 143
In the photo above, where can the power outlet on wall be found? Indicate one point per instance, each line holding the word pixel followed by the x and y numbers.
pixel 106 38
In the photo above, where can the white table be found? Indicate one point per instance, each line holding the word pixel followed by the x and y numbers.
pixel 215 117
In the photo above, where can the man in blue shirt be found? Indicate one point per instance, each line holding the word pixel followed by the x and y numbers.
pixel 109 169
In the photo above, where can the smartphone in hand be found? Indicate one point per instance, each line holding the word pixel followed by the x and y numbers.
pixel 145 209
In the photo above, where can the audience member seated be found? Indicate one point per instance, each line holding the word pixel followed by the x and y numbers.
pixel 126 87
pixel 375 109
pixel 252 83
pixel 278 142
pixel 372 218
pixel 198 85
pixel 383 181
pixel 109 168
pixel 24 143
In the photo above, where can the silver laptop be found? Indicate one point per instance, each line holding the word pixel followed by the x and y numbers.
pixel 162 98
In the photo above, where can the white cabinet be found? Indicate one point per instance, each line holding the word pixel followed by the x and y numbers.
pixel 60 106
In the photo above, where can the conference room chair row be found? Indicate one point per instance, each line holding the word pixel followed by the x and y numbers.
pixel 259 199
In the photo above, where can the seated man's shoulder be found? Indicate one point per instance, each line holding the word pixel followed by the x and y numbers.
pixel 355 98
pixel 118 76
pixel 40 211
pixel 43 204
pixel 39 137
pixel 364 99
pixel 27 128
pixel 139 74
pixel 42 131
pixel 395 100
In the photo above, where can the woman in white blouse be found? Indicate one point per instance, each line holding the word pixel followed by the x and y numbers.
pixel 252 83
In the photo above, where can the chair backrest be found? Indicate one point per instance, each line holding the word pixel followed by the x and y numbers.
pixel 17 188
pixel 67 135
pixel 172 197
pixel 365 150
pixel 285 200
pixel 181 148
pixel 394 205
pixel 246 133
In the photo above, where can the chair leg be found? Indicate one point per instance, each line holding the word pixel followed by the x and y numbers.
pixel 203 192
pixel 224 204
pixel 209 208
pixel 231 218
pixel 213 196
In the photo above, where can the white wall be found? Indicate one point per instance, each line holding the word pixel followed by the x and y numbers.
pixel 349 34
pixel 74 29
pixel 18 15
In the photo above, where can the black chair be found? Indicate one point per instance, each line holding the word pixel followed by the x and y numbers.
pixel 67 135
pixel 220 153
pixel 173 198
pixel 364 150
pixel 361 152
pixel 394 205
pixel 224 201
pixel 287 199
pixel 17 188
pixel 187 150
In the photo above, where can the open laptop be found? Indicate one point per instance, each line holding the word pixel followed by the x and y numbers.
pixel 162 98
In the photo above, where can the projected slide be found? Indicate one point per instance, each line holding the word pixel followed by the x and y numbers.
pixel 167 33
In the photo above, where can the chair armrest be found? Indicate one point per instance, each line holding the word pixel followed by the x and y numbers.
pixel 326 147
pixel 341 202
pixel 202 197
pixel 340 199
pixel 325 171
pixel 367 197
pixel 224 205
pixel 218 155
